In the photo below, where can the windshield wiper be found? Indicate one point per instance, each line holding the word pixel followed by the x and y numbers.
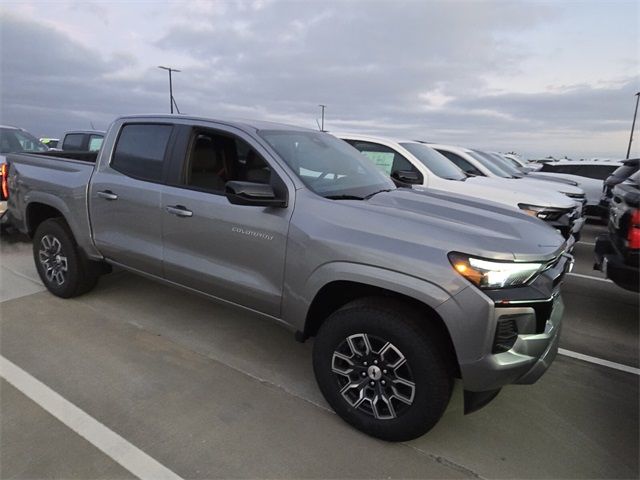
pixel 344 197
pixel 375 193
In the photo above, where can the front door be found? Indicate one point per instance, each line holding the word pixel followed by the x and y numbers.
pixel 232 252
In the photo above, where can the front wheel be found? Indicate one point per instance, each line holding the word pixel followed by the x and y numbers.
pixel 62 267
pixel 380 370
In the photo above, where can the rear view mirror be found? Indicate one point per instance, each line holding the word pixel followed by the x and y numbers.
pixel 253 194
pixel 407 177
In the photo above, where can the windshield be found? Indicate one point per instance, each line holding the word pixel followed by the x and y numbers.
pixel 328 166
pixel 624 171
pixel 13 140
pixel 503 163
pixel 489 164
pixel 635 178
pixel 437 163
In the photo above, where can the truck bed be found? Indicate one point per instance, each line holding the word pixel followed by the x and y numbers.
pixel 89 157
pixel 55 180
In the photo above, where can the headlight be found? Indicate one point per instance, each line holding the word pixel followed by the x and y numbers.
pixel 493 274
pixel 543 213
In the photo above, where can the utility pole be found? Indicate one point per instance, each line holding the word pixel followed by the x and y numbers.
pixel 322 121
pixel 171 99
pixel 633 125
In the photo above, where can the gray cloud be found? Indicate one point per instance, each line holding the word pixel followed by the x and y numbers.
pixel 412 69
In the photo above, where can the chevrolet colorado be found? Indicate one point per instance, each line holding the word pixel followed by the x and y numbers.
pixel 403 291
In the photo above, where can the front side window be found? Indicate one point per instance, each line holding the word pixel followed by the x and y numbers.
pixel 217 158
pixel 327 165
pixel 140 151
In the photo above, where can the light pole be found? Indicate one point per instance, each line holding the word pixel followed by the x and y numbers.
pixel 633 125
pixel 322 121
pixel 171 100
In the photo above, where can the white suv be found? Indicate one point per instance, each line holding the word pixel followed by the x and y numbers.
pixel 415 164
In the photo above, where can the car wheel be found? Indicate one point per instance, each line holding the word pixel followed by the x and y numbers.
pixel 380 369
pixel 62 267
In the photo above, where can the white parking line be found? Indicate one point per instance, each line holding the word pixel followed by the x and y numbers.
pixel 591 244
pixel 113 445
pixel 599 361
pixel 580 275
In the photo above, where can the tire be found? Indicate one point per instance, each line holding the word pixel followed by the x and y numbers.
pixel 393 330
pixel 62 267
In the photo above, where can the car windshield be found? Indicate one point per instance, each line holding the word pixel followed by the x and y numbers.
pixel 326 165
pixel 635 178
pixel 503 163
pixel 437 163
pixel 489 164
pixel 13 140
pixel 624 171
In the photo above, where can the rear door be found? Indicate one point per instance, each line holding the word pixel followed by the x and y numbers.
pixel 125 197
pixel 233 252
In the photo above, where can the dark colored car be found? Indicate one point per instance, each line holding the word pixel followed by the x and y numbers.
pixel 617 252
pixel 82 141
pixel 619 175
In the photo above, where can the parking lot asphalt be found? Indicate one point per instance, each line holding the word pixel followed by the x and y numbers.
pixel 212 392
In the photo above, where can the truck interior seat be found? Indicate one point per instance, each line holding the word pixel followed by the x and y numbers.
pixel 205 165
pixel 256 169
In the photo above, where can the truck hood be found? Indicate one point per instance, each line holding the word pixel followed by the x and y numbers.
pixel 530 192
pixel 459 223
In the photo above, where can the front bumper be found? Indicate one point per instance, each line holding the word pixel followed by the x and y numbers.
pixel 609 261
pixel 527 359
pixel 508 336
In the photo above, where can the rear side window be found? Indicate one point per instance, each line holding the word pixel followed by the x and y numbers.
pixel 140 151
pixel 597 172
pixel 95 142
pixel 73 141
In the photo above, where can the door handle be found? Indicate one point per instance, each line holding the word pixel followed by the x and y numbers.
pixel 108 195
pixel 179 210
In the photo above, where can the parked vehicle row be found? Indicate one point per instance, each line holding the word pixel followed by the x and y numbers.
pixel 412 163
pixel 403 289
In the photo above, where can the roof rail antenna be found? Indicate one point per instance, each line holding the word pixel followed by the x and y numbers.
pixel 321 125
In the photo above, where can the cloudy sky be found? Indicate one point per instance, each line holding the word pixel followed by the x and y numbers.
pixel 538 77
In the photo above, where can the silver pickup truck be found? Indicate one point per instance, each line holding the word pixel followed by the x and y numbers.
pixel 403 291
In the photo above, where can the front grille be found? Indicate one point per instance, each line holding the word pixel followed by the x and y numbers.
pixel 506 335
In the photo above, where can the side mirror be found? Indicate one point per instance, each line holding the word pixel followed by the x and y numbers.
pixel 407 177
pixel 252 194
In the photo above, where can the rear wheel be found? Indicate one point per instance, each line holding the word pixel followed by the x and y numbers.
pixel 61 265
pixel 380 370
